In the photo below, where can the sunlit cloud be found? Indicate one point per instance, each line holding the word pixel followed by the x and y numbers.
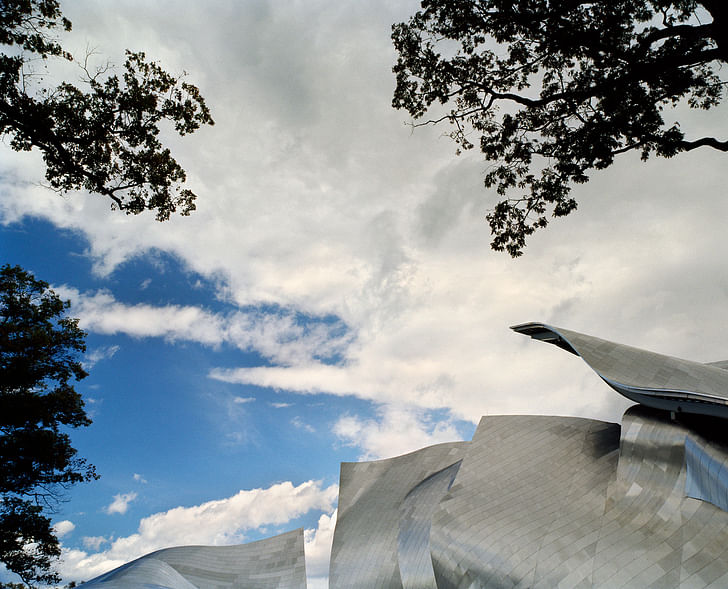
pixel 63 528
pixel 120 504
pixel 317 544
pixel 396 430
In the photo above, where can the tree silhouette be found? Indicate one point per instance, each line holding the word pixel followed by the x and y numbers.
pixel 103 137
pixel 39 349
pixel 550 91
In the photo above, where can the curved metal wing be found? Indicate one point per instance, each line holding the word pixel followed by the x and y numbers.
pixel 652 379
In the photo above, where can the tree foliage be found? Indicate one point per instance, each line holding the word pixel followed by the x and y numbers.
pixel 104 135
pixel 39 349
pixel 551 90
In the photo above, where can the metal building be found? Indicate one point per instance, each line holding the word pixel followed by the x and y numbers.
pixel 536 501
pixel 272 563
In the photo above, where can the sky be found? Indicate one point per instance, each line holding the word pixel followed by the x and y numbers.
pixel 334 297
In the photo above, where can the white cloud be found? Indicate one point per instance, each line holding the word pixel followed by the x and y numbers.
pixel 120 504
pixel 298 423
pixel 96 355
pixel 280 405
pixel 397 431
pixel 347 213
pixel 317 544
pixel 243 400
pixel 218 522
pixel 63 527
pixel 139 478
pixel 94 542
pixel 278 336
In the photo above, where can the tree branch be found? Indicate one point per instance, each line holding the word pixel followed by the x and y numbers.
pixel 704 141
pixel 705 30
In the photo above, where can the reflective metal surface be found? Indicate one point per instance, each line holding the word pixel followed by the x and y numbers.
pixel 413 541
pixel 707 471
pixel 382 505
pixel 648 378
pixel 525 507
pixel 273 563
pixel 543 502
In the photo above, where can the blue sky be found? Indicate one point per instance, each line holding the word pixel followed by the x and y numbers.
pixel 333 297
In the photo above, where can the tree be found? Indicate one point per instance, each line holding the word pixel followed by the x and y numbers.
pixel 39 349
pixel 552 90
pixel 105 137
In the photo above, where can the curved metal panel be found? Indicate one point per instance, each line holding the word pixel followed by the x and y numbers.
pixel 413 542
pixel 652 379
pixel 707 471
pixel 145 573
pixel 652 534
pixel 542 502
pixel 272 563
pixel 365 550
pixel 525 507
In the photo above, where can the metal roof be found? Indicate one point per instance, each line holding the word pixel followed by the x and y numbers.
pixel 649 378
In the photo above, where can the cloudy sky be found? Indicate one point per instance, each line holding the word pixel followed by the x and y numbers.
pixel 333 298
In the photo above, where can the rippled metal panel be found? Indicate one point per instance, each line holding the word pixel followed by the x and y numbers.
pixel 273 563
pixel 145 572
pixel 365 551
pixel 652 533
pixel 525 508
pixel 413 542
pixel 707 471
pixel 652 379
pixel 543 502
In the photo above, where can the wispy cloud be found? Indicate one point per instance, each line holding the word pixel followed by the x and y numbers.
pixel 98 354
pixel 298 423
pixel 120 504
pixel 397 430
pixel 382 230
pixel 281 336
pixel 94 542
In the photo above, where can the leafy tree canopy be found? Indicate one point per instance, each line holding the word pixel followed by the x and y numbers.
pixel 39 349
pixel 552 89
pixel 104 135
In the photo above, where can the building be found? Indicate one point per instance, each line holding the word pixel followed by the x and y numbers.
pixel 529 502
pixel 535 501
pixel 651 379
pixel 272 563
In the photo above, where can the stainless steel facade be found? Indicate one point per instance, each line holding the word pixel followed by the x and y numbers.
pixel 543 502
pixel 382 527
pixel 273 563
